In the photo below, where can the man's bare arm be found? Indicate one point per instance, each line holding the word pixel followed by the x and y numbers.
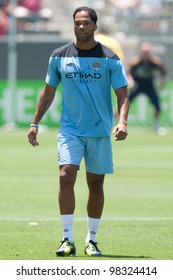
pixel 120 130
pixel 45 100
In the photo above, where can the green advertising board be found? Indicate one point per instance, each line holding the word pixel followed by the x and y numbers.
pixel 18 107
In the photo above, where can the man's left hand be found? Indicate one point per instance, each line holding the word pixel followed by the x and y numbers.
pixel 120 132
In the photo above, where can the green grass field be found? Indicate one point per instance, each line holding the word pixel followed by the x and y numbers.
pixel 137 221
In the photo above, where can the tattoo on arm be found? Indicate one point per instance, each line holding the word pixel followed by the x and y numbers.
pixel 43 108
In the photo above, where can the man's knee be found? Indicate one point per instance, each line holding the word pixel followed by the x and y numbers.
pixel 95 182
pixel 68 174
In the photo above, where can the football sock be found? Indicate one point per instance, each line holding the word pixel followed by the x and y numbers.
pixel 93 225
pixel 67 224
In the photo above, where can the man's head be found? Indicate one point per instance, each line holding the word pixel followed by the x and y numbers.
pixel 85 20
pixel 91 13
pixel 145 50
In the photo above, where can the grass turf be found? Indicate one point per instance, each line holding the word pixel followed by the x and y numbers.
pixel 137 220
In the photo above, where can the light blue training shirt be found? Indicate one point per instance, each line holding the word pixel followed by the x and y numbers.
pixel 87 77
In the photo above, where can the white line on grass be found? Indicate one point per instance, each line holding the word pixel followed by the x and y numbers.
pixel 16 219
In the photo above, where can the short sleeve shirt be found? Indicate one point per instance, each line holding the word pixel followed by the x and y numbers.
pixel 87 77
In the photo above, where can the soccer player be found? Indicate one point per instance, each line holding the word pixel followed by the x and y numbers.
pixel 87 70
pixel 143 69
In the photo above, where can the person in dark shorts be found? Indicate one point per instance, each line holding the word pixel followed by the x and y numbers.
pixel 143 70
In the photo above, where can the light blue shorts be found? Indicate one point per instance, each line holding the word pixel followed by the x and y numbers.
pixel 96 151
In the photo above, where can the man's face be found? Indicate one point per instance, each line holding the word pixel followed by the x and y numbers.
pixel 145 51
pixel 84 27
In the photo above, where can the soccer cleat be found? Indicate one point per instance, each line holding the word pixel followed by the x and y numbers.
pixel 67 248
pixel 91 249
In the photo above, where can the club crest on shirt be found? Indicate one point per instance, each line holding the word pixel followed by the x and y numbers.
pixel 96 65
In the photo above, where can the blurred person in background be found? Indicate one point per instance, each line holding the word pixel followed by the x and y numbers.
pixel 150 7
pixel 87 70
pixel 103 37
pixel 31 11
pixel 125 7
pixel 4 17
pixel 144 70
pixel 5 6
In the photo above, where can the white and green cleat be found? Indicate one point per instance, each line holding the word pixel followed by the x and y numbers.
pixel 91 249
pixel 67 248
